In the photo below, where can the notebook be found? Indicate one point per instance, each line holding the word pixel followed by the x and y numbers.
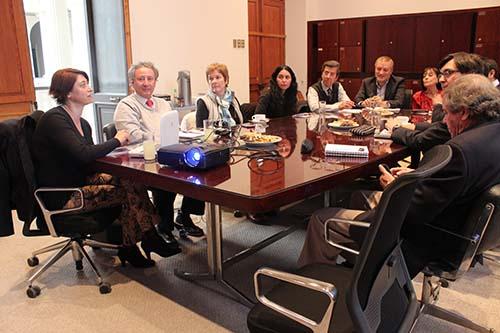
pixel 332 149
pixel 169 134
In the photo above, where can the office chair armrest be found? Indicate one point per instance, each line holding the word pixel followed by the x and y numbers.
pixel 474 239
pixel 47 213
pixel 324 287
pixel 339 220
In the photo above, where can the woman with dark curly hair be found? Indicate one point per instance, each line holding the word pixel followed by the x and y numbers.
pixel 280 99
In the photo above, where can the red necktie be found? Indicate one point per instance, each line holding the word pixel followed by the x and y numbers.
pixel 149 103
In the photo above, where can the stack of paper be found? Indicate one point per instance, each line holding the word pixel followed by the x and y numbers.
pixel 332 149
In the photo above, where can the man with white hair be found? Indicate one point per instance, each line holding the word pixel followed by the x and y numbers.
pixel 140 114
pixel 472 115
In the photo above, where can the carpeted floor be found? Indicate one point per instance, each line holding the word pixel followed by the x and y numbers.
pixel 155 300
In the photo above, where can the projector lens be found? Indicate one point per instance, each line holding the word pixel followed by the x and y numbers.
pixel 193 157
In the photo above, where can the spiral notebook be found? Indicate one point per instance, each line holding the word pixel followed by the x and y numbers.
pixel 332 149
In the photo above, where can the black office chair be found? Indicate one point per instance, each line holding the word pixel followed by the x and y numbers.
pixel 376 295
pixel 481 233
pixel 78 227
pixel 109 131
pixel 303 107
pixel 407 99
pixel 248 110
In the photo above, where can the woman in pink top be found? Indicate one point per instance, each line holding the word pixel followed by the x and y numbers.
pixel 431 91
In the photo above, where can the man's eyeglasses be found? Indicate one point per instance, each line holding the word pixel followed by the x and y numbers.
pixel 448 72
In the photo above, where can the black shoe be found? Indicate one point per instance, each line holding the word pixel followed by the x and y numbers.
pixel 152 242
pixel 185 226
pixel 167 236
pixel 133 255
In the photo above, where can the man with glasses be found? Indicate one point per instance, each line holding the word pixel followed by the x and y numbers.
pixel 328 89
pixel 140 114
pixel 427 135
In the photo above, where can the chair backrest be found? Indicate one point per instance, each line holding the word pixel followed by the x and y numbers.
pixel 303 107
pixel 381 296
pixel 407 99
pixel 109 131
pixel 248 110
pixel 482 229
pixel 188 122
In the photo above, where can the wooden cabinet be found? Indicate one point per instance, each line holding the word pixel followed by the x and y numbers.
pixel 17 92
pixel 488 26
pixel 351 32
pixel 456 32
pixel 328 43
pixel 427 42
pixel 350 58
pixel 487 41
pixel 393 37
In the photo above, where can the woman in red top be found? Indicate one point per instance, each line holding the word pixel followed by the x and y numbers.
pixel 431 91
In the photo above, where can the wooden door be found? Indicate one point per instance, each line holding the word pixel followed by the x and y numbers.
pixel 427 41
pixel 487 42
pixel 266 42
pixel 327 44
pixel 17 93
pixel 402 43
pixel 456 33
pixel 351 86
pixel 377 41
pixel 351 45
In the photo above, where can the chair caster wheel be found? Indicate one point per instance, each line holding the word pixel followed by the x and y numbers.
pixel 33 291
pixel 104 288
pixel 33 261
pixel 78 265
pixel 238 213
pixel 444 283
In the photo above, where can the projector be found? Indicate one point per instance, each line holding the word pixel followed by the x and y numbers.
pixel 202 156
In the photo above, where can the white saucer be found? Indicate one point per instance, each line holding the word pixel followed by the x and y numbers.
pixel 255 121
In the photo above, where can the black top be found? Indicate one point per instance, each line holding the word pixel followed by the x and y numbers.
pixel 274 109
pixel 61 154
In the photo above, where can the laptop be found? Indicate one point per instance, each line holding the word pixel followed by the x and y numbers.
pixel 169 134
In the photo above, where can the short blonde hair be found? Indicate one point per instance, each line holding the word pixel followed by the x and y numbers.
pixel 385 59
pixel 221 68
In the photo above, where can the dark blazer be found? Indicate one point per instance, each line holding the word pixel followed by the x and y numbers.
pixel 394 92
pixel 445 199
pixel 17 181
pixel 435 134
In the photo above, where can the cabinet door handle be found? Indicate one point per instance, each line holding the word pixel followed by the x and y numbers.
pixel 358 43
pixel 479 39
pixel 114 99
pixel 442 41
pixel 320 49
pixel 390 42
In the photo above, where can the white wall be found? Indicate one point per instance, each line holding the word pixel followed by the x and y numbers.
pixel 296 46
pixel 190 34
pixel 296 36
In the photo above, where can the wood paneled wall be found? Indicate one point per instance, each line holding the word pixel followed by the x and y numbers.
pixel 414 41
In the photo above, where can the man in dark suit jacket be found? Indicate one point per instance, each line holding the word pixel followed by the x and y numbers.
pixel 472 107
pixel 383 89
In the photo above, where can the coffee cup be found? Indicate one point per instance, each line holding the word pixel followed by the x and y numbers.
pixel 259 117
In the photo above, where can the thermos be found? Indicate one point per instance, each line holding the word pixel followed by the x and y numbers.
pixel 184 87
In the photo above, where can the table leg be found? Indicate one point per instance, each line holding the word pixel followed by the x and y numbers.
pixel 214 255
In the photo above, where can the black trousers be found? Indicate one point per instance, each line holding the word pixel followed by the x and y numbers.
pixel 164 202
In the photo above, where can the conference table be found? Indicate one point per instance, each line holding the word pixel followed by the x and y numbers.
pixel 260 178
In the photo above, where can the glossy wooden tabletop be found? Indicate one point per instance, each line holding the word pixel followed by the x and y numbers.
pixel 266 181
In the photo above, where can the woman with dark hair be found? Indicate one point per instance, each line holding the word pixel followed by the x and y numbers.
pixel 430 94
pixel 280 99
pixel 63 149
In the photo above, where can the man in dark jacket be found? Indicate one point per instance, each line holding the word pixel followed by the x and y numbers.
pixel 383 89
pixel 472 108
